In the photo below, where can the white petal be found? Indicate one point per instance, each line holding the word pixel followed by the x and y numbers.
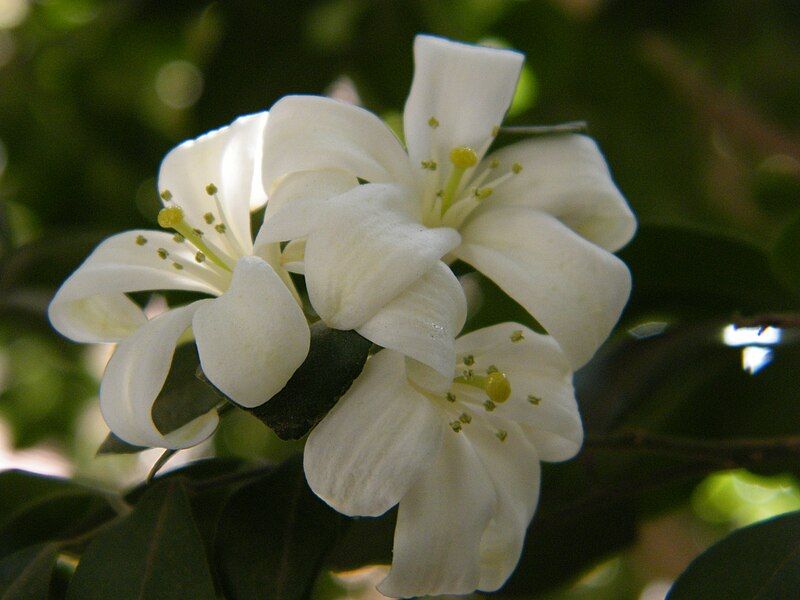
pixel 440 525
pixel 367 252
pixel 252 338
pixel 369 449
pixel 311 132
pixel 467 89
pixel 513 467
pixel 567 177
pixel 229 158
pixel 91 305
pixel 304 185
pixel 422 321
pixel 542 398
pixel 575 289
pixel 134 378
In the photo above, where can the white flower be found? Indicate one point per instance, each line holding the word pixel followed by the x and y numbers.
pixel 459 454
pixel 540 217
pixel 250 338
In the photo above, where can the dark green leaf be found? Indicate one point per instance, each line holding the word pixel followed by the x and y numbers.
pixel 334 360
pixel 786 255
pixel 113 445
pixel 272 537
pixel 18 488
pixel 184 397
pixel 155 552
pixel 55 516
pixel 758 562
pixel 25 575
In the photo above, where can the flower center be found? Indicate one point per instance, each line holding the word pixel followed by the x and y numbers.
pixel 172 217
pixel 465 188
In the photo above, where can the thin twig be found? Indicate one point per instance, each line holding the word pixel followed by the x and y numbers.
pixel 544 130
pixel 162 460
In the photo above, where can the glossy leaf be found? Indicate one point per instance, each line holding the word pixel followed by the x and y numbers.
pixel 154 552
pixel 272 537
pixel 757 562
pixel 334 360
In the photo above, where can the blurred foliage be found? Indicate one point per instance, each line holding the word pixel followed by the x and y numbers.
pixel 697 108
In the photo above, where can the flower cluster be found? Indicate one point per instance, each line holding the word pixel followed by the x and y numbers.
pixel 452 429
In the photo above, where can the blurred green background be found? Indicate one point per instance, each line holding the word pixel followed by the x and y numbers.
pixel 696 105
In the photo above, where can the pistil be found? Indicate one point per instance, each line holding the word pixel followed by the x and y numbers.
pixel 495 384
pixel 172 217
pixel 462 158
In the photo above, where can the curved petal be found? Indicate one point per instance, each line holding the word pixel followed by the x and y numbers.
pixel 542 398
pixel 252 338
pixel 304 185
pixel 466 89
pixel 567 177
pixel 227 158
pixel 575 289
pixel 311 132
pixel 367 252
pixel 371 447
pixel 440 525
pixel 91 306
pixel 422 321
pixel 513 467
pixel 134 378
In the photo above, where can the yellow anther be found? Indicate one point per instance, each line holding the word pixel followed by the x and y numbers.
pixel 141 240
pixel 430 165
pixel 200 257
pixel 497 387
pixel 433 122
pixel 220 227
pixel 170 217
pixel 451 397
pixel 516 336
pixel 456 426
pixel 534 399
pixel 465 418
pixel 483 193
pixel 501 434
pixel 494 164
pixel 516 168
pixel 166 195
pixel 463 157
pixel 467 373
pixel 178 266
pixel 211 189
pixel 489 405
pixel 178 238
pixel 492 369
pixel 469 360
pixel 162 253
pixel 208 218
pixel 198 232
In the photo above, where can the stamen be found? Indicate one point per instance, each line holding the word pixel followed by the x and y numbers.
pixel 173 218
pixel 430 165
pixel 462 158
pixel 494 164
pixel 451 397
pixel 166 195
pixel 178 238
pixel 211 189
pixel 489 405
pixel 469 360
pixel 433 122
pixel 465 418
pixel 492 369
pixel 534 399
pixel 208 218
pixel 162 253
pixel 516 168
pixel 141 240
pixel 456 426
pixel 220 228
pixel 483 193
pixel 501 434
pixel 178 266
pixel 516 336
pixel 200 257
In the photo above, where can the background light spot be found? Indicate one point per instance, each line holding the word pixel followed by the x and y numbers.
pixel 179 84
